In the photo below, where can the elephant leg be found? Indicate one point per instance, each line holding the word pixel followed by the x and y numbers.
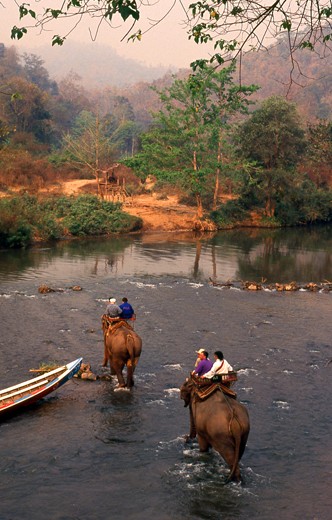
pixel 109 359
pixel 130 373
pixel 113 371
pixel 236 474
pixel 106 355
pixel 118 371
pixel 228 454
pixel 203 443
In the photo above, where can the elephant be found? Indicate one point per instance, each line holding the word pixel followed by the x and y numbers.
pixel 122 347
pixel 220 422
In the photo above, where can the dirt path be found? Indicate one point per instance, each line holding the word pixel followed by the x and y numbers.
pixel 161 215
pixel 73 187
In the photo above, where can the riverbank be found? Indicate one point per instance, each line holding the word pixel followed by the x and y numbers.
pixel 157 214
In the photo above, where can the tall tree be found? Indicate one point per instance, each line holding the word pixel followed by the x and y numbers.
pixel 70 102
pixel 27 110
pixel 10 65
pixel 318 159
pixel 126 132
pixel 36 73
pixel 89 146
pixel 179 141
pixel 272 138
pixel 225 99
pixel 189 133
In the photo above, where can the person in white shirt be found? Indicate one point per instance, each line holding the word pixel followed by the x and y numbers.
pixel 220 366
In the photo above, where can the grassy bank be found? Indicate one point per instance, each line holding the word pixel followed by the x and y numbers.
pixel 26 219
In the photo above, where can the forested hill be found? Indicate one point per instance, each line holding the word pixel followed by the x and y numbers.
pixel 97 65
pixel 310 86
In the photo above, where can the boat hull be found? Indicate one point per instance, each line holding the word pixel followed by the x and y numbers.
pixel 33 390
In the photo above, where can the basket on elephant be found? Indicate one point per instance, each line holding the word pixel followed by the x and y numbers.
pixel 228 378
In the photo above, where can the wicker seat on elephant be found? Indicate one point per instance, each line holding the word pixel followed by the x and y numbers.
pixel 205 387
pixel 110 325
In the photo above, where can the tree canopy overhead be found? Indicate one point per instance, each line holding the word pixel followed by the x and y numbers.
pixel 232 26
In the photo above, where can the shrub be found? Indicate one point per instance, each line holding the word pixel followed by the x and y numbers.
pixel 89 215
pixel 14 231
pixel 229 213
pixel 26 219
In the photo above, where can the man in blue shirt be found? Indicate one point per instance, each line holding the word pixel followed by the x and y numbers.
pixel 127 310
pixel 204 365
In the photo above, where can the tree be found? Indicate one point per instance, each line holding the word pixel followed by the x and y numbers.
pixel 250 24
pixel 37 74
pixel 89 146
pixel 187 141
pixel 273 140
pixel 10 64
pixel 318 161
pixel 27 110
pixel 226 99
pixel 124 129
pixel 68 104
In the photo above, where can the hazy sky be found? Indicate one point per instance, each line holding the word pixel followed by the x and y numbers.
pixel 166 44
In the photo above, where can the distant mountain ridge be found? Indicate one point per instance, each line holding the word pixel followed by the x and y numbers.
pixel 308 84
pixel 98 65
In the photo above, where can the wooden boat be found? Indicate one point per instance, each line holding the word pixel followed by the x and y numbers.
pixel 34 389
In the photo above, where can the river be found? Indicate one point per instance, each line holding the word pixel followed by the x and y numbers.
pixel 88 452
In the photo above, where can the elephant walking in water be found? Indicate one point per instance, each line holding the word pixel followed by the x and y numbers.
pixel 122 347
pixel 220 422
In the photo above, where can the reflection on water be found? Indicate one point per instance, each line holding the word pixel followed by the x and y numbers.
pixel 283 255
pixel 88 452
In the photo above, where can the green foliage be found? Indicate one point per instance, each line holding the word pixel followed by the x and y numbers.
pixel 188 141
pixel 168 178
pixel 318 159
pixel 14 233
pixel 138 163
pixel 18 32
pixel 24 220
pixel 19 220
pixel 229 214
pixel 88 215
pixel 304 204
pixel 273 140
pixel 272 136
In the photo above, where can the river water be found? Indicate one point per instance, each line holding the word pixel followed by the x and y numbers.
pixel 87 452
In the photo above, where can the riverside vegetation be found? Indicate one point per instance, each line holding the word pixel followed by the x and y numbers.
pixel 25 220
pixel 235 162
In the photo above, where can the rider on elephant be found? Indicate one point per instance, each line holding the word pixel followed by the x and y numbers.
pixel 113 310
pixel 204 364
pixel 220 366
pixel 128 312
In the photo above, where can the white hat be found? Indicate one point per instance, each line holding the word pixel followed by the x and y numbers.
pixel 200 351
pixel 112 300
